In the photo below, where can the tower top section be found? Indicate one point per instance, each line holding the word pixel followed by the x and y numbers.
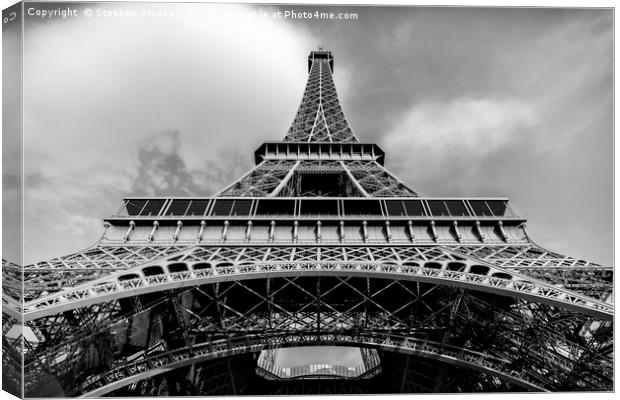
pixel 320 117
pixel 321 55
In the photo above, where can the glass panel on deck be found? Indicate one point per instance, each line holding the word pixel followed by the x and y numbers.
pixel 241 207
pixel 457 208
pixel 319 207
pixel 395 208
pixel 438 208
pixel 480 208
pixel 222 208
pixel 152 208
pixel 197 208
pixel 275 207
pixel 499 208
pixel 414 208
pixel 135 206
pixel 178 207
pixel 362 207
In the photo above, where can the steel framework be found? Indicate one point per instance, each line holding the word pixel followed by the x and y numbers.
pixel 317 245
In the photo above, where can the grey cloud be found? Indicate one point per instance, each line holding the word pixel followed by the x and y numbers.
pixel 34 179
pixel 162 170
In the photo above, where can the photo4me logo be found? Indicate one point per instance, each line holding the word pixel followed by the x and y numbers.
pixel 293 14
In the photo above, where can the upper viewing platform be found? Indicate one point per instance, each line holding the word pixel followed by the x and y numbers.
pixel 325 56
pixel 342 151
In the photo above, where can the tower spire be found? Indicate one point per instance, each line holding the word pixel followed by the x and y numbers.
pixel 320 117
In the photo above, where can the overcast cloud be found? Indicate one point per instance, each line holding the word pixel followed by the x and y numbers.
pixel 476 102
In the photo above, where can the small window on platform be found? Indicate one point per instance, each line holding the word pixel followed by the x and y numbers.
pixel 200 266
pixel 438 208
pixel 395 208
pixel 177 267
pixel 128 277
pixel 457 208
pixel 480 208
pixel 197 208
pixel 135 206
pixel 152 208
pixel 362 207
pixel 241 207
pixel 479 269
pixel 178 207
pixel 319 207
pixel 501 275
pixel 414 208
pixel 275 207
pixel 433 265
pixel 152 271
pixel 455 266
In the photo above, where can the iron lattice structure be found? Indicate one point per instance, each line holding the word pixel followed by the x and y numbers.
pixel 317 245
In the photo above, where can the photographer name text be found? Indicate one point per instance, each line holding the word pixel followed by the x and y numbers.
pixel 167 13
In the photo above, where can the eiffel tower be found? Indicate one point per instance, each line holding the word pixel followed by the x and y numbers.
pixel 317 245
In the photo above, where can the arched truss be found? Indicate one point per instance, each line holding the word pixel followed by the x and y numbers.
pixel 238 375
pixel 197 266
pixel 152 365
pixel 57 274
pixel 551 348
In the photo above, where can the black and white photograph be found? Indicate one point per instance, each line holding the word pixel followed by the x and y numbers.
pixel 229 199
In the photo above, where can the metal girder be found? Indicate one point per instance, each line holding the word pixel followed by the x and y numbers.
pixel 420 378
pixel 271 177
pixel 320 117
pixel 161 363
pixel 296 306
pixel 261 180
pixel 452 273
pixel 378 181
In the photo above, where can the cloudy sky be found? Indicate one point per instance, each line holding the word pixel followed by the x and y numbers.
pixel 472 102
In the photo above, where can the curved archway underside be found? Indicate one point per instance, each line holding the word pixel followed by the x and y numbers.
pixel 522 342
pixel 235 375
pixel 477 366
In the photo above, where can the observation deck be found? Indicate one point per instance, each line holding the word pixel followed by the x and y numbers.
pixel 315 220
